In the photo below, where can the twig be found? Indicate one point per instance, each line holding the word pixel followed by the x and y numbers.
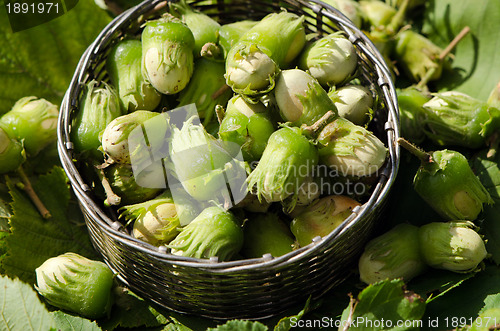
pixel 220 91
pixel 111 198
pixel 493 143
pixel 422 155
pixel 28 188
pixel 113 7
pixel 454 43
pixel 219 110
pixel 316 127
pixel 398 18
pixel 428 75
pixel 352 307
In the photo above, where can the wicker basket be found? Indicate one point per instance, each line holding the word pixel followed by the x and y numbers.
pixel 253 288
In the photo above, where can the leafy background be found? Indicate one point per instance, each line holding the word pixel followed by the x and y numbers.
pixel 41 61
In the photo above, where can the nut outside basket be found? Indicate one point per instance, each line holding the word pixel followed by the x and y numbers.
pixel 251 288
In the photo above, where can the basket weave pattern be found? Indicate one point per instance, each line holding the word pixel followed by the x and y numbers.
pixel 253 288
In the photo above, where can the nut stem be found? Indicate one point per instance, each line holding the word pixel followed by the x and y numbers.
pixel 219 110
pixel 423 156
pixel 314 129
pixel 111 198
pixel 443 55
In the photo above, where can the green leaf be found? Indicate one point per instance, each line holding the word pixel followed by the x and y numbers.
pixel 467 300
pixel 4 206
pixel 386 302
pixel 476 64
pixel 332 304
pixel 34 239
pixel 487 320
pixel 130 311
pixel 175 325
pixel 436 283
pixel 4 210
pixel 68 322
pixel 285 323
pixel 240 325
pixel 491 301
pixel 488 172
pixel 3 248
pixel 40 61
pixel 21 309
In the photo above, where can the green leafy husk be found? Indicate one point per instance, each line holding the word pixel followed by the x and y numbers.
pixel 301 99
pixel 350 149
pixel 126 185
pixel 124 138
pixel 453 246
pixel 203 166
pixel 332 59
pixel 33 121
pixel 74 283
pixel 411 101
pixel 206 89
pixel 447 183
pixel 457 119
pixel 12 153
pixel 167 54
pixel 213 233
pixel 287 161
pixel 124 65
pixel 266 234
pixel 247 126
pixel 159 220
pixel 204 28
pixel 230 33
pixel 418 56
pixel 99 106
pixel 254 61
pixel 394 254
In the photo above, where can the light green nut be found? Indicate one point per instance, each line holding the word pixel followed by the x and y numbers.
pixel 32 120
pixel 74 283
pixel 453 246
pixel 394 254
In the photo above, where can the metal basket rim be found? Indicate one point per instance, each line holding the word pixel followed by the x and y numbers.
pixel 81 189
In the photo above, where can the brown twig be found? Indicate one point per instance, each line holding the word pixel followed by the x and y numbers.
pixel 220 91
pixel 442 56
pixel 352 307
pixel 111 198
pixel 28 188
pixel 219 110
pixel 113 7
pixel 454 43
pixel 422 155
pixel 493 143
pixel 316 127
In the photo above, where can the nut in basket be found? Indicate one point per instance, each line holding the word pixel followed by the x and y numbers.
pixel 244 233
